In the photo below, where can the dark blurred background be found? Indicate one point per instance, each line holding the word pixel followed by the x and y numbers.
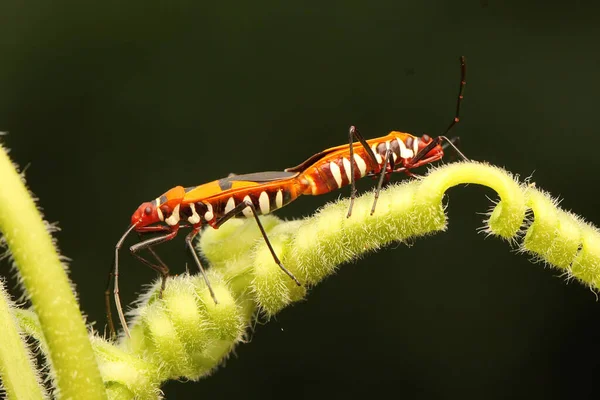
pixel 112 104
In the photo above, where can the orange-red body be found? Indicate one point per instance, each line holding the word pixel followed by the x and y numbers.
pixel 261 193
pixel 205 204
pixel 322 173
pixel 330 169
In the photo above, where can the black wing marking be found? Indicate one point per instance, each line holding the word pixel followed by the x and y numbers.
pixel 259 177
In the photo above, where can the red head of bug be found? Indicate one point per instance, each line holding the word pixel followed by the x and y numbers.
pixel 146 214
pixel 159 210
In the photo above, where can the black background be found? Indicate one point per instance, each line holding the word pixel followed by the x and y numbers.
pixel 114 103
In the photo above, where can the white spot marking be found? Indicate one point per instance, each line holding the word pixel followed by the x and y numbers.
pixel 377 155
pixel 416 145
pixel 208 215
pixel 279 199
pixel 360 163
pixel 404 152
pixel 230 205
pixel 347 168
pixel 174 218
pixel 247 211
pixel 336 173
pixel 195 218
pixel 264 203
pixel 157 201
pixel 160 214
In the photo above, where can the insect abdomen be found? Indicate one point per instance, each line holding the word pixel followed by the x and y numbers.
pixel 334 172
pixel 264 201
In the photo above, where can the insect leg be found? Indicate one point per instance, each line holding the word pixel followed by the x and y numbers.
pixel 421 154
pixel 450 143
pixel 188 241
pixel 384 175
pixel 354 133
pixel 162 269
pixel 420 159
pixel 237 210
pixel 114 274
pixel 134 249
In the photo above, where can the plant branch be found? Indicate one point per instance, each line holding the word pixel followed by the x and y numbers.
pixel 41 272
pixel 186 334
pixel 17 371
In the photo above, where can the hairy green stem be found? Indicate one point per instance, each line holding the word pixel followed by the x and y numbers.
pixel 186 334
pixel 563 240
pixel 46 283
pixel 17 370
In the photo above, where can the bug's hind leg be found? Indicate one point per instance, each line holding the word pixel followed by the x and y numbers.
pixel 238 210
pixel 352 134
pixel 188 241
pixel 384 176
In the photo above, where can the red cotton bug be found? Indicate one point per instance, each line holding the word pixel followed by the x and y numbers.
pixel 211 204
pixel 396 152
pixel 254 194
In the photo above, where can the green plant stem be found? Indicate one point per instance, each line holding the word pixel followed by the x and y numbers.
pixel 17 370
pixel 46 283
pixel 185 334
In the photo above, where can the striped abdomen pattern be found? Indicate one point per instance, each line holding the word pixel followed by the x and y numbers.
pixel 334 170
pixel 264 201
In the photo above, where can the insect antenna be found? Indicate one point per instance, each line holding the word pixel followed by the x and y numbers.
pixel 449 142
pixel 461 94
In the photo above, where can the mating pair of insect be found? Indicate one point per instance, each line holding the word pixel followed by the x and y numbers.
pixel 251 195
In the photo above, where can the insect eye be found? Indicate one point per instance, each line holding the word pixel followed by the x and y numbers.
pixel 426 138
pixel 148 211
